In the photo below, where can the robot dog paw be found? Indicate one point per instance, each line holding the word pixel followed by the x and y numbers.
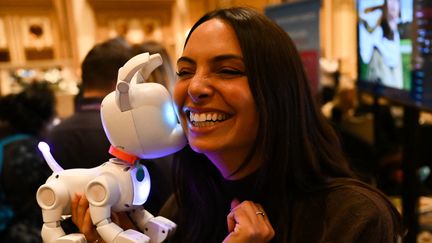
pixel 72 238
pixel 132 236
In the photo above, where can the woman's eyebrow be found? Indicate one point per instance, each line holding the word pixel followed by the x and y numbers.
pixel 227 57
pixel 186 59
pixel 215 59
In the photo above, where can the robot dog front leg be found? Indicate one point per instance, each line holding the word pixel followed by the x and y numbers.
pixel 103 192
pixel 157 228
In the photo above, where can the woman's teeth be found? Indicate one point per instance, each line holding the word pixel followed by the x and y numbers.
pixel 206 119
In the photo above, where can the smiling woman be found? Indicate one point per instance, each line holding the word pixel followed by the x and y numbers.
pixel 262 163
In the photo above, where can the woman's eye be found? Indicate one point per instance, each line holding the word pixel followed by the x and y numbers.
pixel 183 73
pixel 231 72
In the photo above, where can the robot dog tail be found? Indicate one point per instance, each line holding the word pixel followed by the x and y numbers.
pixel 52 163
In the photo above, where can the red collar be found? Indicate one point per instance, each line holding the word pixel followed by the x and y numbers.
pixel 120 154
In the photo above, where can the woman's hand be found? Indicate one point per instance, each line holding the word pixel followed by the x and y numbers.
pixel 247 222
pixel 81 218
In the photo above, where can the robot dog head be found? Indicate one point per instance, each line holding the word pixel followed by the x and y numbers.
pixel 139 118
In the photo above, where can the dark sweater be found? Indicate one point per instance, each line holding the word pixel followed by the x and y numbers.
pixel 345 211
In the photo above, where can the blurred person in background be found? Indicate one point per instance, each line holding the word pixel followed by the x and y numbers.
pixel 165 73
pixel 79 141
pixel 24 119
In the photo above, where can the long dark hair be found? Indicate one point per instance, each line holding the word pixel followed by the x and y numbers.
pixel 301 150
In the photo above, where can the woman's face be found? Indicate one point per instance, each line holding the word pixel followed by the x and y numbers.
pixel 393 7
pixel 212 94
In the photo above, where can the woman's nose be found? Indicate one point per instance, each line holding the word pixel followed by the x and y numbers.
pixel 200 88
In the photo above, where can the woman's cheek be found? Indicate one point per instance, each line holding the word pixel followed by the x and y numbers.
pixel 179 96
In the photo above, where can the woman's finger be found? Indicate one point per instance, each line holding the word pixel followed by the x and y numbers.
pixel 81 210
pixel 234 203
pixel 74 207
pixel 248 222
pixel 86 225
pixel 270 231
pixel 231 221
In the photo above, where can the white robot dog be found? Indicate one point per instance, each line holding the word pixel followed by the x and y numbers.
pixel 140 122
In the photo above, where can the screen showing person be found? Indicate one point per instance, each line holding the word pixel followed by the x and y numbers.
pixel 385 42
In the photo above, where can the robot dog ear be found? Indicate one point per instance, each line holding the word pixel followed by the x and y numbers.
pixel 145 64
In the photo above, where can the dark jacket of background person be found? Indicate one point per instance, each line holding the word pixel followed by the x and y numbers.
pixel 79 141
pixel 27 113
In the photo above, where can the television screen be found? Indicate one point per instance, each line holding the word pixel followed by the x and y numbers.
pixel 393 44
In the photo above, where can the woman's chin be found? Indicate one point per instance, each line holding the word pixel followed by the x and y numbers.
pixel 202 148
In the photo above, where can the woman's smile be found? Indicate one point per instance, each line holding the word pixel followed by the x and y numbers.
pixel 205 119
pixel 200 119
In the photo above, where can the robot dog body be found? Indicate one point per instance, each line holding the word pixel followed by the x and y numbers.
pixel 140 122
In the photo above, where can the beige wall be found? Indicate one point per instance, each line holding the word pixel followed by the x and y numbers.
pixel 79 24
pixel 337 20
pixel 85 24
pixel 338 34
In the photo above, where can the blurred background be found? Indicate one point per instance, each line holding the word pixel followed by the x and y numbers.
pixel 386 129
pixel 47 39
